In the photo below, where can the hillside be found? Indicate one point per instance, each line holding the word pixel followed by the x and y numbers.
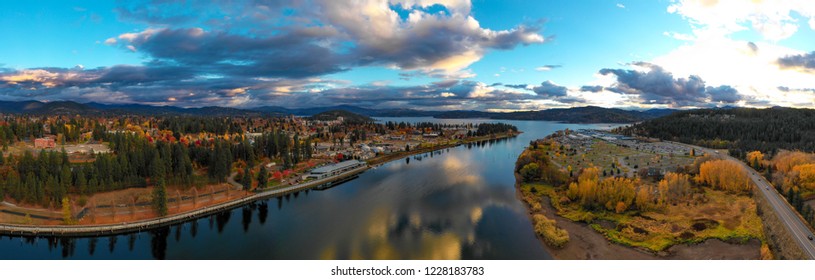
pixel 347 116
pixel 590 114
pixel 737 129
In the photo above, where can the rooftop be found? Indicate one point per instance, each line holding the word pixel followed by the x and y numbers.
pixel 329 168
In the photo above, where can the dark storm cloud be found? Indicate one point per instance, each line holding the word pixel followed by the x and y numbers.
pixel 550 89
pixel 311 38
pixel 239 52
pixel 723 94
pixel 805 62
pixel 518 86
pixel 658 86
pixel 594 89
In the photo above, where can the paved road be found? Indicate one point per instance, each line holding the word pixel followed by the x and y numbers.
pixel 796 227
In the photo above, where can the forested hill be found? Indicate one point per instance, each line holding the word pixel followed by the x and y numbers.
pixel 738 129
pixel 589 114
pixel 347 116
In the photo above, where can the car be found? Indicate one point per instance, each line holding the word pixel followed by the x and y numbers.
pixel 809 237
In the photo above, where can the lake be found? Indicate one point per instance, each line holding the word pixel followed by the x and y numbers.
pixel 457 203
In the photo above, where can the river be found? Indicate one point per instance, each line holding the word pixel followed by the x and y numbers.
pixel 457 203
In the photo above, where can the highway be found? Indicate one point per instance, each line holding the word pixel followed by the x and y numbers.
pixel 795 225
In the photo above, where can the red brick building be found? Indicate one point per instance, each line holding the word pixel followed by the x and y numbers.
pixel 44 143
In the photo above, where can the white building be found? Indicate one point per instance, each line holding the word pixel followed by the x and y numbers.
pixel 335 169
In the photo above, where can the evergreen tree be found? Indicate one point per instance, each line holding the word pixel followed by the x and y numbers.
pixel 246 181
pixel 263 177
pixel 160 198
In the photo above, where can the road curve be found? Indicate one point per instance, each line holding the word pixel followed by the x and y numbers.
pixel 795 225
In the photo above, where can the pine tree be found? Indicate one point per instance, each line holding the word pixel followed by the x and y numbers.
pixel 160 198
pixel 263 177
pixel 246 181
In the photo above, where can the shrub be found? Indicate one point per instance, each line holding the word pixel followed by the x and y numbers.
pixel 548 229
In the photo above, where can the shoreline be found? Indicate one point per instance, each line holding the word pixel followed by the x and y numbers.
pixel 148 224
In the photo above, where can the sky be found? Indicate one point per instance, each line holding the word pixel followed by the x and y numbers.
pixel 483 55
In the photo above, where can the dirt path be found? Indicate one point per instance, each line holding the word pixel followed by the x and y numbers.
pixel 631 171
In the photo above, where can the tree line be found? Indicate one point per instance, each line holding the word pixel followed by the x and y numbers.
pixel 739 129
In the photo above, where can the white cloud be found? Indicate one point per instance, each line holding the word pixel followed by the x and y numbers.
pixel 679 36
pixel 773 19
pixel 620 5
pixel 753 70
pixel 110 41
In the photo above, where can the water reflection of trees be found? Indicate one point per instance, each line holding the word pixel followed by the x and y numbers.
pixel 92 245
pixel 263 212
pixel 112 243
pixel 158 242
pixel 246 217
pixel 131 241
pixel 221 219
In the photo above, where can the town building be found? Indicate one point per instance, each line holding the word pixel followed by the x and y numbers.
pixel 44 143
pixel 335 169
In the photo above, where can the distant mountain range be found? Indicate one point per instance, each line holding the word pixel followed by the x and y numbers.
pixel 346 115
pixel 590 114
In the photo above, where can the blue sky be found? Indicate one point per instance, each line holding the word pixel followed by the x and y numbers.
pixel 424 54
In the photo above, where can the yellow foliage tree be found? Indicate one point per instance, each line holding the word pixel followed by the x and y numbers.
pixel 804 175
pixel 673 188
pixel 67 213
pixel 786 160
pixel 724 175
pixel 613 193
pixel 755 159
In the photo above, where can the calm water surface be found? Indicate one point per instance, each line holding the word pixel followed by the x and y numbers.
pixel 457 203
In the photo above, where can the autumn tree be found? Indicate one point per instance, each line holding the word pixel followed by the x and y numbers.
pixel 673 188
pixel 755 159
pixel 784 161
pixel 67 213
pixel 724 175
pixel 530 172
pixel 804 176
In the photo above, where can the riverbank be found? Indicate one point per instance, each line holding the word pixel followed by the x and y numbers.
pixel 127 227
pixel 241 198
pixel 391 157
